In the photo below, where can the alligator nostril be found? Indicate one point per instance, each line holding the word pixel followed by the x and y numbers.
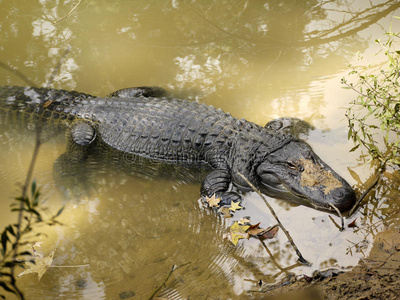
pixel 343 198
pixel 338 194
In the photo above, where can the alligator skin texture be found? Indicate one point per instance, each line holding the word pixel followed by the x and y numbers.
pixel 159 128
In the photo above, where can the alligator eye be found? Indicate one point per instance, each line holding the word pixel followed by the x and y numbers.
pixel 291 165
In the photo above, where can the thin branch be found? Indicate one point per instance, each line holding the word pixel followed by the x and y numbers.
pixel 163 284
pixel 75 266
pixel 17 73
pixel 301 258
pixel 339 214
pixel 70 12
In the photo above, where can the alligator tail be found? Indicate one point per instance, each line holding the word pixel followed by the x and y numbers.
pixel 33 103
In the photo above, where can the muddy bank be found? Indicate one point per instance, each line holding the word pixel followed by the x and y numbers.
pixel 376 277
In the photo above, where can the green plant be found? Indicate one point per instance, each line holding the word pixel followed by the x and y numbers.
pixel 374 116
pixel 14 236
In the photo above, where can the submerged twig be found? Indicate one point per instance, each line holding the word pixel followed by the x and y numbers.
pixel 301 258
pixel 70 12
pixel 75 266
pixel 339 214
pixel 17 73
pixel 163 284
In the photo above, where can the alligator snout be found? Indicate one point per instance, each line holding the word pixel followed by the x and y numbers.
pixel 296 173
pixel 343 198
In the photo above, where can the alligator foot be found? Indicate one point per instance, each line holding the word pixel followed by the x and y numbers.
pixel 217 183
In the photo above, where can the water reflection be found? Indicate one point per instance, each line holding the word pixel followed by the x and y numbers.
pixel 255 59
pixel 382 208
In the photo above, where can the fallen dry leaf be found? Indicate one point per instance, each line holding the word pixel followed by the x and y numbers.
pixel 213 201
pixel 235 206
pixel 269 233
pixel 254 230
pixel 40 264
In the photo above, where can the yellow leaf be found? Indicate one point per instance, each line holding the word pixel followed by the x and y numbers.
pixel 238 232
pixel 235 206
pixel 239 228
pixel 213 201
pixel 235 237
pixel 40 265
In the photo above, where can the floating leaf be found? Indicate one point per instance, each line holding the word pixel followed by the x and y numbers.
pixel 238 232
pixel 239 228
pixel 235 237
pixel 213 201
pixel 235 206
pixel 269 233
pixel 40 263
pixel 254 230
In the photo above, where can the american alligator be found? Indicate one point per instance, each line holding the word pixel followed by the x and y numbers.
pixel 143 122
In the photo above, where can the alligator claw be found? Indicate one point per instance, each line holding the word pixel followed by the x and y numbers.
pixel 229 197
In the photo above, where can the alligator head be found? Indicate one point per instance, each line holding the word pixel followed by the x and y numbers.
pixel 295 173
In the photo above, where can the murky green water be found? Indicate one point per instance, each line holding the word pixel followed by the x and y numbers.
pixel 256 59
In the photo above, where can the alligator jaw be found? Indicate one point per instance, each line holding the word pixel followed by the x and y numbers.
pixel 281 191
pixel 342 196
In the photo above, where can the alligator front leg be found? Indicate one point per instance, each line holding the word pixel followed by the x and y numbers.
pixel 217 183
pixel 144 91
pixel 68 169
